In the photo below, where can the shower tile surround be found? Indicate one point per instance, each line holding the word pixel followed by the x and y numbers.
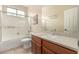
pixel 13 27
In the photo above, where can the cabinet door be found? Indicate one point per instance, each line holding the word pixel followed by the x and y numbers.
pixel 36 45
pixel 76 13
pixel 33 47
pixel 38 49
pixel 66 21
pixel 71 20
pixel 46 51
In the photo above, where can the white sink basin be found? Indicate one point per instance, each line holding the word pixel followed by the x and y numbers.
pixel 50 36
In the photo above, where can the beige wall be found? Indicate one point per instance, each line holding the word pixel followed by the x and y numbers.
pixel 32 11
pixel 57 22
pixel 0 7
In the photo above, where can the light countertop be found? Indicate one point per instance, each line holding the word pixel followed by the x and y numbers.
pixel 65 41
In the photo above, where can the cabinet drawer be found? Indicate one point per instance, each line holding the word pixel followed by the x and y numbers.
pixel 46 51
pixel 57 48
pixel 36 39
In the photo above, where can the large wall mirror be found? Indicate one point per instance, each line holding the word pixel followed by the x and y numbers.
pixel 61 18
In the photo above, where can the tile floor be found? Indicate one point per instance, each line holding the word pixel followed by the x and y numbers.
pixel 19 50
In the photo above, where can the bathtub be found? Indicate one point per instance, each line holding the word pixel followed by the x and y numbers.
pixel 6 45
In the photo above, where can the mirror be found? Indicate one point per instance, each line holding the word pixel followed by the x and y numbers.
pixel 60 19
pixel 63 20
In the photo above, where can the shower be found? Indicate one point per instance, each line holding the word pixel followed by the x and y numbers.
pixel 14 26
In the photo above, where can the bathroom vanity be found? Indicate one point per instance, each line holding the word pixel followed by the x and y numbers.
pixel 42 44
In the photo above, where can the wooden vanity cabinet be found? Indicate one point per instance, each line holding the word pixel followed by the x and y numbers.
pixel 57 49
pixel 36 45
pixel 46 51
pixel 42 46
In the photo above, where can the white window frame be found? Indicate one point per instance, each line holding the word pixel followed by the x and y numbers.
pixel 19 14
pixel 15 13
pixel 10 12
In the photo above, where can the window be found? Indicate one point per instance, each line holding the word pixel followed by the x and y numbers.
pixel 20 13
pixel 11 11
pixel 15 12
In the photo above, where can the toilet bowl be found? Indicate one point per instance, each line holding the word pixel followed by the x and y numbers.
pixel 26 43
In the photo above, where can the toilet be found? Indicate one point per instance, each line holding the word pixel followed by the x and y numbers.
pixel 26 43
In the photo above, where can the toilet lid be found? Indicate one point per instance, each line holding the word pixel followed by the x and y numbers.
pixel 26 39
